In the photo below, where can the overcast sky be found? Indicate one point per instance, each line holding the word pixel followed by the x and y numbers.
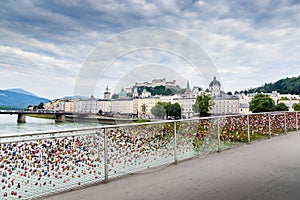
pixel 45 44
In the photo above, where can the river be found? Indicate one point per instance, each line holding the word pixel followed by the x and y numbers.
pixel 9 125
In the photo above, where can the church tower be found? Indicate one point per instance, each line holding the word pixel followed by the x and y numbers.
pixel 215 88
pixel 188 88
pixel 106 93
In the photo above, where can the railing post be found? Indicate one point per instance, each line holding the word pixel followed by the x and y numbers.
pixel 105 157
pixel 296 121
pixel 270 130
pixel 248 129
pixel 175 144
pixel 285 131
pixel 219 136
pixel 98 133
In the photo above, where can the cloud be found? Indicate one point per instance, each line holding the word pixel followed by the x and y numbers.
pixel 251 42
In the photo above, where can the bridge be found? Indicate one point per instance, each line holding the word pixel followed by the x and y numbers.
pixel 59 116
pixel 251 156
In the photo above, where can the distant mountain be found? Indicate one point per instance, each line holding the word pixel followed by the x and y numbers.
pixel 19 99
pixel 21 91
pixel 283 86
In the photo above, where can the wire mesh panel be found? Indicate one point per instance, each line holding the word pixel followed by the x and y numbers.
pixel 49 164
pixel 291 121
pixel 134 148
pixel 277 123
pixel 196 137
pixel 259 126
pixel 233 131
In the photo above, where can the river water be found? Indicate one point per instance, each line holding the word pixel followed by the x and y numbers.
pixel 9 125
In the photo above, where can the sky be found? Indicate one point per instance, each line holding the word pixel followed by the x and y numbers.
pixel 60 48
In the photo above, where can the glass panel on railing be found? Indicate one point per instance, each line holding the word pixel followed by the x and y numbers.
pixel 135 148
pixel 40 167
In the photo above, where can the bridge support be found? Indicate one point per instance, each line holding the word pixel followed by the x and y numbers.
pixel 60 118
pixel 21 118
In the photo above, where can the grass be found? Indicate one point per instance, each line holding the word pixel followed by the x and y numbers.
pixel 42 116
pixel 141 120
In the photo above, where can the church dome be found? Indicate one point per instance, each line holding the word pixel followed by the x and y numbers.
pixel 214 82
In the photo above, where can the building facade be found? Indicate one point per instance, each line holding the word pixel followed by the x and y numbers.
pixel 186 105
pixel 145 105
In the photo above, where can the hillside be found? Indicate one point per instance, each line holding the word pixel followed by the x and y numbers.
pixel 21 91
pixel 283 86
pixel 19 100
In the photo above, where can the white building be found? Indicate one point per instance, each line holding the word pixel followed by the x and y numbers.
pixel 106 93
pixel 224 106
pixel 145 105
pixel 89 105
pixel 105 105
pixel 172 98
pixel 77 106
pixel 69 106
pixel 158 82
pixel 123 106
pixel 186 105
pixel 145 94
pixel 274 95
pixel 215 88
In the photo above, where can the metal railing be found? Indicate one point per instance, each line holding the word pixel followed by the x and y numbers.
pixel 42 163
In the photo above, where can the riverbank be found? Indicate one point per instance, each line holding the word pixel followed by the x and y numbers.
pixel 92 118
pixel 103 119
pixel 41 116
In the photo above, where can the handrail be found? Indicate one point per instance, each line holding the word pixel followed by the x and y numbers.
pixel 132 124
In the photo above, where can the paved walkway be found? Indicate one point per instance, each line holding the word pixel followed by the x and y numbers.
pixel 268 169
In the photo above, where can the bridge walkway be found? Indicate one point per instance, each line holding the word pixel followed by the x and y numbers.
pixel 268 169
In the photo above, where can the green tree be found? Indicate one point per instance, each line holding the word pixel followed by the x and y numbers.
pixel 115 96
pixel 162 109
pixel 173 110
pixel 262 103
pixel 283 86
pixel 159 90
pixel 35 107
pixel 280 107
pixel 158 111
pixel 284 98
pixel 40 106
pixel 203 104
pixel 296 106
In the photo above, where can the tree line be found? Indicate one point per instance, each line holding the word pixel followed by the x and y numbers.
pixel 283 86
pixel 204 103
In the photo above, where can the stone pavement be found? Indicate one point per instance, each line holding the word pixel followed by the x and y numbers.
pixel 268 169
